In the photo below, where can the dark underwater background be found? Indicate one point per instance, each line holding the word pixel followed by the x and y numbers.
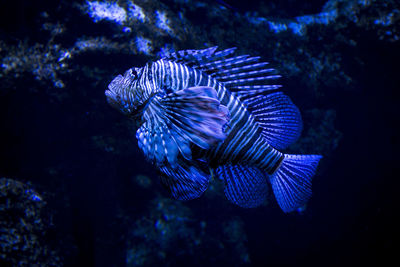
pixel 76 191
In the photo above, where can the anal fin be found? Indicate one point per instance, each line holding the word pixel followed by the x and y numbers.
pixel 186 181
pixel 245 186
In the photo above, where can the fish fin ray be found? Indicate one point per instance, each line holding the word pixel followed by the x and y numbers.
pixel 279 118
pixel 191 57
pixel 245 186
pixel 197 112
pixel 198 58
pixel 248 91
pixel 159 143
pixel 233 71
pixel 291 183
pixel 192 115
pixel 185 182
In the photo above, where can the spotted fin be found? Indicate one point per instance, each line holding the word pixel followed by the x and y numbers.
pixel 172 123
pixel 185 182
pixel 245 186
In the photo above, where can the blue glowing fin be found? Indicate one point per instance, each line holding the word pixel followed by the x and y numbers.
pixel 245 186
pixel 185 182
pixel 291 183
pixel 191 57
pixel 279 118
pixel 160 144
pixel 172 123
pixel 197 114
pixel 242 74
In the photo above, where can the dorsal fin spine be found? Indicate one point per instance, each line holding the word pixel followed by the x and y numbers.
pixel 245 93
pixel 215 63
pixel 225 52
pixel 237 69
pixel 227 64
pixel 258 87
pixel 238 62
pixel 245 74
pixel 254 79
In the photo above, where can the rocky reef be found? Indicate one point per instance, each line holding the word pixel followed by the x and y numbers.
pixel 25 224
pixel 169 225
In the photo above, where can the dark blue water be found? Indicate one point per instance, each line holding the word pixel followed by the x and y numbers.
pixel 101 203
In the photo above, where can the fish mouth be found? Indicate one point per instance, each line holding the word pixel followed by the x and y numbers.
pixel 112 99
pixel 111 96
pixel 113 91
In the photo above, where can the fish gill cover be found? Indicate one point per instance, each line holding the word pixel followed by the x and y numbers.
pixel 106 205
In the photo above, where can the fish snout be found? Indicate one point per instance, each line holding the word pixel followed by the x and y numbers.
pixel 114 91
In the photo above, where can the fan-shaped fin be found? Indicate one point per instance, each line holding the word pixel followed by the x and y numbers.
pixel 185 182
pixel 172 123
pixel 245 186
pixel 291 183
pixel 278 116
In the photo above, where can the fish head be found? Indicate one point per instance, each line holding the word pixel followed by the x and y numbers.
pixel 124 92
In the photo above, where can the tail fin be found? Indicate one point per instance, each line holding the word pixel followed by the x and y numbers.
pixel 291 183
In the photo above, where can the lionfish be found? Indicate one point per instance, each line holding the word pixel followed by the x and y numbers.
pixel 208 112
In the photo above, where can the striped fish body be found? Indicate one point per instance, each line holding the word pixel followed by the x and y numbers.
pixel 202 110
pixel 244 142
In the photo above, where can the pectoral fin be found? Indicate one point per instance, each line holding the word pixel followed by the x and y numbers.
pixel 193 115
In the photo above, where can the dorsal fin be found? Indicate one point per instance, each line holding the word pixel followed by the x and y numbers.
pixel 279 118
pixel 248 79
pixel 191 57
pixel 242 75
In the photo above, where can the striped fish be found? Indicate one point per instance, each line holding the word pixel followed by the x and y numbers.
pixel 208 112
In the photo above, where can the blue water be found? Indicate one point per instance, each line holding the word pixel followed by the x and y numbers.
pixel 76 183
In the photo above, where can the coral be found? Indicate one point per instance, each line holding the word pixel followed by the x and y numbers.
pixel 23 226
pixel 106 11
pixel 136 12
pixel 163 22
pixel 45 62
pixel 362 13
pixel 143 45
